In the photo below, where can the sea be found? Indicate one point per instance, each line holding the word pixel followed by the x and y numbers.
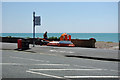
pixel 106 37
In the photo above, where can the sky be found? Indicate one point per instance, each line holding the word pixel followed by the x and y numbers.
pixel 60 17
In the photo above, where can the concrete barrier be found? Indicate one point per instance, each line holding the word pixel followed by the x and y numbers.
pixel 77 42
pixel 84 42
pixel 12 39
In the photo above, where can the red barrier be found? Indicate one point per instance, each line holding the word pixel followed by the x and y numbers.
pixel 19 43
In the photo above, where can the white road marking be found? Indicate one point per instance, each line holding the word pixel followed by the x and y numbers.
pixel 50 65
pixel 64 69
pixel 71 52
pixel 54 64
pixel 9 64
pixel 40 53
pixel 54 51
pixel 61 51
pixel 91 76
pixel 85 66
pixel 29 59
pixel 48 75
pixel 96 68
pixel 35 64
pixel 115 70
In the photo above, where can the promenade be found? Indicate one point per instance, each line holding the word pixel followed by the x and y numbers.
pixel 78 52
pixel 55 63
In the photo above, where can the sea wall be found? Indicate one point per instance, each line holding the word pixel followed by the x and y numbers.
pixel 77 42
pixel 12 39
pixel 84 42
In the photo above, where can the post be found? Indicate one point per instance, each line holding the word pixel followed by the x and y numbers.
pixel 33 29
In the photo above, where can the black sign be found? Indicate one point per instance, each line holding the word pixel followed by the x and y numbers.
pixel 37 20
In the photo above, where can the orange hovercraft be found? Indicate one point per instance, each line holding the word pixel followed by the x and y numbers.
pixel 65 41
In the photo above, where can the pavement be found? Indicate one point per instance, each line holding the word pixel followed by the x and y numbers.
pixel 58 63
pixel 20 65
pixel 78 52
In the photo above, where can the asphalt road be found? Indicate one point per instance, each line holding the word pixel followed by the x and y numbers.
pixel 76 51
pixel 25 64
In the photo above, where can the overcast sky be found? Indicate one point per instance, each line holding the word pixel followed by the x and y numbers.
pixel 60 17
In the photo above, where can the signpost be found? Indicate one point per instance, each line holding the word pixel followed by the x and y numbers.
pixel 36 21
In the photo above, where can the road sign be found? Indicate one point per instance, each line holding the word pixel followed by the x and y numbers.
pixel 37 20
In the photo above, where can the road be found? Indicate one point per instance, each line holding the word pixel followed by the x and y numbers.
pixel 26 64
pixel 67 51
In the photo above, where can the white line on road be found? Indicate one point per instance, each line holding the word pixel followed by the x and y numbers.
pixel 115 70
pixel 35 64
pixel 53 50
pixel 54 64
pixel 91 76
pixel 96 68
pixel 64 69
pixel 44 74
pixel 61 51
pixel 85 66
pixel 28 59
pixel 9 63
